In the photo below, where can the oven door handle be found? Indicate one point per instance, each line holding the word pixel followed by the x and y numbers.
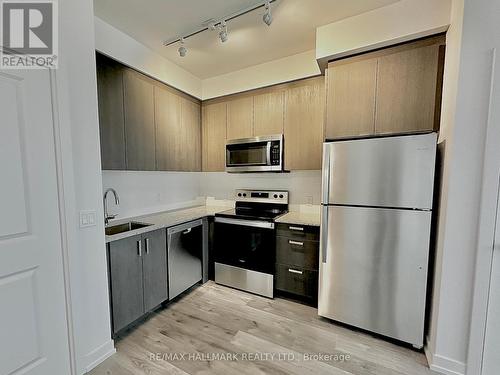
pixel 245 223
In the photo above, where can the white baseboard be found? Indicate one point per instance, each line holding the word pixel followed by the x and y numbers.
pixel 97 356
pixel 444 365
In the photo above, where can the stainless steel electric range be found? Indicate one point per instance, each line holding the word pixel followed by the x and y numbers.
pixel 244 241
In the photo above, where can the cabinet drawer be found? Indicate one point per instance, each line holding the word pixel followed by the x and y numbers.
pixel 297 231
pixel 297 281
pixel 303 254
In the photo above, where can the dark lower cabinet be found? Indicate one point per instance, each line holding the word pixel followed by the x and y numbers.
pixel 138 276
pixel 297 261
pixel 296 280
pixel 154 265
pixel 125 266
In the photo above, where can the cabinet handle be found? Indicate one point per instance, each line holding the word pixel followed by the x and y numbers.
pixel 294 271
pixel 139 248
pixel 296 228
pixel 147 245
pixel 296 243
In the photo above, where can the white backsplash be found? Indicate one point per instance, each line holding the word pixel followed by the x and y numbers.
pixel 304 186
pixel 148 192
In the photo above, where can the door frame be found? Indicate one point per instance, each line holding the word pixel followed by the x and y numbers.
pixel 486 226
pixel 55 82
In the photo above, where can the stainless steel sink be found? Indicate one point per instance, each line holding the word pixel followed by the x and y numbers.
pixel 126 227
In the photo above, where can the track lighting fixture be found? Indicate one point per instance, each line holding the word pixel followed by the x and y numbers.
pixel 267 17
pixel 220 25
pixel 182 50
pixel 223 31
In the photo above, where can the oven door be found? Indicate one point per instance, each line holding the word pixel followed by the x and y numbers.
pixel 248 244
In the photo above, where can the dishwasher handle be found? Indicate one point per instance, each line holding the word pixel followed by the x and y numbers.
pixel 184 228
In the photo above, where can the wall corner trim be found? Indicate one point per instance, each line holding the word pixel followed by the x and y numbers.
pixel 444 365
pixel 97 356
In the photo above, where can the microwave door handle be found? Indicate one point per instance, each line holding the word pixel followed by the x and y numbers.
pixel 268 151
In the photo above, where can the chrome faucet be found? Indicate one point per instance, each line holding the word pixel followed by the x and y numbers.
pixel 107 216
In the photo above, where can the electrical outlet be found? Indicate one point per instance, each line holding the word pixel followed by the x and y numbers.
pixel 87 218
pixel 309 199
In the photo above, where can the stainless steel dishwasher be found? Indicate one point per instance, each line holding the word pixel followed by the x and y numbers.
pixel 185 246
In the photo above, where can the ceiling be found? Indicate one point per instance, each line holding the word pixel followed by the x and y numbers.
pixel 250 41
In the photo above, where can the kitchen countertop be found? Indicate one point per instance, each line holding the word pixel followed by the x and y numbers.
pixel 165 219
pixel 302 218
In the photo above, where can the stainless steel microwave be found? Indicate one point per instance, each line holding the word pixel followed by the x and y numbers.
pixel 259 154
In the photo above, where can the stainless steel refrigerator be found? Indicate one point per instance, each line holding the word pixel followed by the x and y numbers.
pixel 375 233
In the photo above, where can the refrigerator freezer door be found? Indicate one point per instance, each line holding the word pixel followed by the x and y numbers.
pixel 380 172
pixel 373 272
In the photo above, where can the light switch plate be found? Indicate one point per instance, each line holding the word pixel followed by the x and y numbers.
pixel 87 218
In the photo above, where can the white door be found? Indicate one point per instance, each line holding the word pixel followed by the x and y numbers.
pixel 33 325
pixel 491 356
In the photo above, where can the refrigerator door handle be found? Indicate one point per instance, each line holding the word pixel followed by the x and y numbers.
pixel 324 233
pixel 326 173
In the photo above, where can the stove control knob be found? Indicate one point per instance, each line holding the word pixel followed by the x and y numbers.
pixel 239 194
pixel 244 194
pixel 281 195
pixel 275 195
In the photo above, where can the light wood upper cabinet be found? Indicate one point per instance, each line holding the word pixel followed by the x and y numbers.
pixel 268 115
pixel 389 91
pixel 304 120
pixel 139 121
pixel 214 118
pixel 240 118
pixel 168 128
pixel 190 136
pixel 406 91
pixel 178 132
pixel 351 98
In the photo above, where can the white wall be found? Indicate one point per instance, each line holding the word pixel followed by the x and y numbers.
pixel 304 186
pixel 395 23
pixel 77 110
pixel 465 139
pixel 289 68
pixel 146 192
pixel 122 47
pixel 450 87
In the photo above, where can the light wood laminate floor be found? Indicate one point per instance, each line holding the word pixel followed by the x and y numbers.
pixel 218 330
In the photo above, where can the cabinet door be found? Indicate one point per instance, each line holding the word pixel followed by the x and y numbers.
pixel 214 137
pixel 190 136
pixel 139 122
pixel 407 91
pixel 268 113
pixel 168 128
pixel 155 268
pixel 240 118
pixel 111 122
pixel 351 98
pixel 125 265
pixel 304 118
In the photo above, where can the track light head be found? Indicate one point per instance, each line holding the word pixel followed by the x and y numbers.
pixel 182 50
pixel 223 32
pixel 267 17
